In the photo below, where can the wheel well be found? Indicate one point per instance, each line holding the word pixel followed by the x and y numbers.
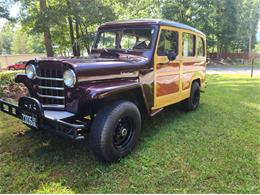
pixel 135 96
pixel 197 80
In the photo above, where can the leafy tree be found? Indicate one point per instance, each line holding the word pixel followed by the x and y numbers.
pixel 68 26
pixel 247 27
pixel 227 23
pixel 77 18
pixel 36 18
pixel 83 16
pixel 257 47
pixel 131 9
pixel 6 38
pixel 14 40
pixel 19 44
pixel 197 13
pixel 35 43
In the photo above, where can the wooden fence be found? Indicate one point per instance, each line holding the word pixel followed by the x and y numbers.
pixel 6 60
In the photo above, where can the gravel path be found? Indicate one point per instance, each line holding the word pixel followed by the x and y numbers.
pixel 232 70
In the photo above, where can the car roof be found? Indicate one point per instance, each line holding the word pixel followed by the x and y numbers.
pixel 149 22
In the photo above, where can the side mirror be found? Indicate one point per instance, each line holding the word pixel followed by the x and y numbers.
pixel 171 55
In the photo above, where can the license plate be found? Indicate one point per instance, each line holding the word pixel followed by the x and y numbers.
pixel 29 120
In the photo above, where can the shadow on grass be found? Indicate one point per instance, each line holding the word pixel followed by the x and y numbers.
pixel 67 149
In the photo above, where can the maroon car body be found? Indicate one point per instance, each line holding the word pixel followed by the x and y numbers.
pixel 17 66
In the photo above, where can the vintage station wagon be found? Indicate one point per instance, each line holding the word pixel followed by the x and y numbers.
pixel 136 68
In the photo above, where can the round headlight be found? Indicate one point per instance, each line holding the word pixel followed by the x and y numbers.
pixel 69 78
pixel 30 71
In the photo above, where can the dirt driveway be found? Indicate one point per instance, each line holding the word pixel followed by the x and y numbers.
pixel 232 70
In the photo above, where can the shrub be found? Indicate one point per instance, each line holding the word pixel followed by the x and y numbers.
pixel 8 87
pixel 7 77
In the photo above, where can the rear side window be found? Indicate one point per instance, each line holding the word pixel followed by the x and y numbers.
pixel 201 47
pixel 168 42
pixel 188 45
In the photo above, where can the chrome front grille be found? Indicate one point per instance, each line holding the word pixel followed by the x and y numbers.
pixel 50 85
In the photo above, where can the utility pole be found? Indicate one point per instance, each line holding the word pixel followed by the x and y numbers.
pixel 250 53
pixel 250 46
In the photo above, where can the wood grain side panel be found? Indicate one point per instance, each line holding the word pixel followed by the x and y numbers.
pixel 193 66
pixel 168 68
pixel 186 80
pixel 167 85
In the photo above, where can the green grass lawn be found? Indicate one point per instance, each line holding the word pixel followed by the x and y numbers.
pixel 215 149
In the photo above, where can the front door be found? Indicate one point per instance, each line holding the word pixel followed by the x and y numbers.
pixel 167 73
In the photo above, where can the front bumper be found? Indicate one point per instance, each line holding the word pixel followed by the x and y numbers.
pixel 61 122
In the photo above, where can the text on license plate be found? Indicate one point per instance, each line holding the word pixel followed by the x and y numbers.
pixel 29 120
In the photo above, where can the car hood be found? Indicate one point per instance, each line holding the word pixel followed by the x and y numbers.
pixel 91 66
pixel 100 68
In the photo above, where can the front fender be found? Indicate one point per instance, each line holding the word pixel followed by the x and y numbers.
pixel 22 78
pixel 104 90
pixel 100 90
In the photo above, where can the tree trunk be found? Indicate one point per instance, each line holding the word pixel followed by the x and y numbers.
pixel 46 32
pixel 77 37
pixel 73 43
pixel 86 37
pixel 48 43
pixel 72 39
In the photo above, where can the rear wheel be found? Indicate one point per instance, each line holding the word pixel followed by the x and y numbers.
pixel 115 130
pixel 193 101
pixel 12 68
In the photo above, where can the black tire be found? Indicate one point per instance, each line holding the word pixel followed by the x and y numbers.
pixel 193 101
pixel 115 130
pixel 33 128
pixel 12 69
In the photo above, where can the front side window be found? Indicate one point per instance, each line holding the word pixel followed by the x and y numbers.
pixel 188 45
pixel 168 43
pixel 201 47
pixel 125 39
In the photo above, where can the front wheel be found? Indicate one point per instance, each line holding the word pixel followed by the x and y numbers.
pixel 193 101
pixel 115 130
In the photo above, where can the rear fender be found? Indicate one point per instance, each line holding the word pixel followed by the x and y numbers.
pixel 199 76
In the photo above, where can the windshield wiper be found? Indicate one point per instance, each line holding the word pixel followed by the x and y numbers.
pixel 106 52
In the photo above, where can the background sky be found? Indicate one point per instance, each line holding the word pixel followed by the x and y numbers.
pixel 13 13
pixel 258 33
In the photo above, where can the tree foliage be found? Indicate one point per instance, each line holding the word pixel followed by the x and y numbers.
pixel 227 23
pixel 6 38
pixel 14 40
pixel 71 23
pixel 68 26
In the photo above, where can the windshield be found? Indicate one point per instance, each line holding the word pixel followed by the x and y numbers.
pixel 125 39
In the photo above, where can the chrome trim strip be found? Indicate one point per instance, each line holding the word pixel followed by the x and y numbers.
pixel 50 96
pixel 54 88
pixel 49 78
pixel 53 106
pixel 112 76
